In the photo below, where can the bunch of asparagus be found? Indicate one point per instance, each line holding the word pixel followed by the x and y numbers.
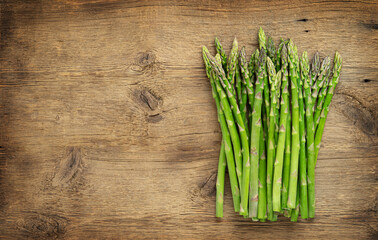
pixel 272 110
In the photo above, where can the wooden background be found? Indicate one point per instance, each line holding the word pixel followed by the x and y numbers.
pixel 109 130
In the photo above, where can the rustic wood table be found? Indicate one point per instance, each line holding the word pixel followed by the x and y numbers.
pixel 109 130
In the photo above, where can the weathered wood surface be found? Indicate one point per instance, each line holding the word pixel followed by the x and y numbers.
pixel 108 127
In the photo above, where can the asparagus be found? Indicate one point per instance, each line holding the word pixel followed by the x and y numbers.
pixel 241 96
pixel 220 181
pixel 262 178
pixel 246 80
pixel 315 68
pixel 320 102
pixel 266 110
pixel 277 109
pixel 302 153
pixel 222 53
pixel 295 211
pixel 278 54
pixel 295 146
pixel 238 85
pixel 239 121
pixel 271 49
pixel 319 132
pixel 320 80
pixel 309 138
pixel 278 163
pixel 255 134
pixel 262 39
pixel 229 130
pixel 327 102
pixel 249 93
pixel 286 164
pixel 231 65
pixel 274 79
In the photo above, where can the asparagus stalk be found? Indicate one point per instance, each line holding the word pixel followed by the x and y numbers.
pixel 319 132
pixel 271 49
pixel 262 178
pixel 252 67
pixel 274 79
pixel 247 82
pixel 278 163
pixel 309 138
pixel 222 53
pixel 266 95
pixel 239 121
pixel 320 102
pixel 220 181
pixel 327 102
pixel 320 80
pixel 238 85
pixel 295 145
pixel 295 211
pixel 277 110
pixel 231 65
pixel 229 130
pixel 278 54
pixel 315 68
pixel 302 153
pixel 255 134
pixel 242 97
pixel 262 39
pixel 286 164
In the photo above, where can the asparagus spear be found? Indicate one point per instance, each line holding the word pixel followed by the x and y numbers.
pixel 327 102
pixel 238 85
pixel 220 181
pixel 229 130
pixel 321 98
pixel 278 163
pixel 295 145
pixel 309 139
pixel 295 211
pixel 239 121
pixel 247 81
pixel 302 153
pixel 266 110
pixel 277 110
pixel 255 134
pixel 252 67
pixel 278 54
pixel 274 79
pixel 315 68
pixel 320 80
pixel 319 132
pixel 286 164
pixel 271 49
pixel 262 39
pixel 231 65
pixel 262 178
pixel 242 96
pixel 222 53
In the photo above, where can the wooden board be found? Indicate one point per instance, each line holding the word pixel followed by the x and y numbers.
pixel 109 130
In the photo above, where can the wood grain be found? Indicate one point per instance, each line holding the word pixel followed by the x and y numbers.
pixel 109 131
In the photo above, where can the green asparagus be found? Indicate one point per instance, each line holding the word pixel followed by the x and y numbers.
pixel 278 163
pixel 255 134
pixel 295 145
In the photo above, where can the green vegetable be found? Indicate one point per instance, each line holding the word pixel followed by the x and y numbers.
pixel 295 145
pixel 270 135
pixel 228 128
pixel 284 111
pixel 220 182
pixel 302 136
pixel 255 134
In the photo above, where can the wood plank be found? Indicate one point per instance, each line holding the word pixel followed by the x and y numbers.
pixel 109 130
